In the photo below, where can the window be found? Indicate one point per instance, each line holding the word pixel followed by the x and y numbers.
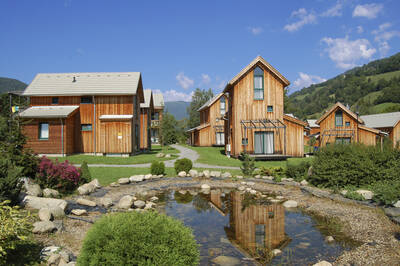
pixel 86 127
pixel 54 100
pixel 86 99
pixel 270 108
pixel 343 140
pixel 339 118
pixel 222 105
pixel 347 124
pixel 43 130
pixel 220 138
pixel 258 84
pixel 156 116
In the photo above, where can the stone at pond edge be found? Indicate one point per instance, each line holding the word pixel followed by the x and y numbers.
pixel 123 181
pixel 139 204
pixel 226 261
pixel 44 227
pixel 78 212
pixel 182 174
pixel 38 203
pixel 47 251
pixel 393 212
pixel 276 252
pixel 205 186
pixel 33 190
pixel 323 263
pixel 329 239
pixel 304 182
pixel 125 202
pixel 114 184
pixel 366 194
pixel 50 193
pixel 206 173
pixel 86 189
pixel 397 204
pixel 106 202
pixel 136 178
pixel 193 173
pixel 148 176
pixel 226 175
pixel 44 214
pixel 57 212
pixel 54 259
pixel 290 204
pixel 154 199
pixel 215 174
pixel 86 202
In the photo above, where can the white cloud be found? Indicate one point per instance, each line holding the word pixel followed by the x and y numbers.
pixel 173 95
pixel 205 79
pixel 184 81
pixel 335 11
pixel 304 17
pixel 369 11
pixel 346 53
pixel 360 29
pixel 306 80
pixel 382 36
pixel 255 30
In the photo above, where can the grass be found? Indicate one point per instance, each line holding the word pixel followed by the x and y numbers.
pixel 136 159
pixel 383 107
pixel 386 76
pixel 216 156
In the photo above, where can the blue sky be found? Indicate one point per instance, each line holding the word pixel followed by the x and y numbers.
pixel 181 45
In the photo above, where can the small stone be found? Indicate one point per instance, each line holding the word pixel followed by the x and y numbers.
pixel 290 204
pixel 33 190
pixel 182 174
pixel 397 204
pixel 57 212
pixel 206 173
pixel 168 156
pixel 125 202
pixel 310 171
pixel 95 182
pixel 212 252
pixel 86 202
pixel 201 174
pixel 136 178
pixel 54 259
pixel 62 262
pixel 248 189
pixel 86 189
pixel 160 155
pixel 154 199
pixel 139 204
pixel 106 202
pixel 323 263
pixel 241 188
pixel 71 263
pixel 50 193
pixel 43 227
pixel 123 181
pixel 344 192
pixel 148 176
pixel 193 173
pixel 329 239
pixel 65 255
pixel 205 186
pixel 149 205
pixel 155 177
pixel 251 183
pixel 47 251
pixel 393 212
pixel 280 197
pixel 224 240
pixel 268 177
pixel 276 252
pixel 243 183
pixel 366 194
pixel 114 184
pixel 44 214
pixel 257 176
pixel 304 182
pixel 215 174
pixel 226 261
pixel 160 176
pixel 239 177
pixel 253 192
pixel 79 212
pixel 226 175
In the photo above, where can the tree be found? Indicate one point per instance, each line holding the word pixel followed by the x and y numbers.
pixel 199 98
pixel 169 129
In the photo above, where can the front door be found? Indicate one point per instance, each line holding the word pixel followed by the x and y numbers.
pixel 263 142
pixel 220 138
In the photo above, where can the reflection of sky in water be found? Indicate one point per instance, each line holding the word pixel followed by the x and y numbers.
pixel 300 241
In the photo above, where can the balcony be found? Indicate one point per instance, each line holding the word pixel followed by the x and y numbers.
pixel 155 123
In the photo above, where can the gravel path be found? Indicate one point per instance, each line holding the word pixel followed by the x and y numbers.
pixel 184 153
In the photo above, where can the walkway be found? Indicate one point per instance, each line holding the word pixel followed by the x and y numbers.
pixel 184 153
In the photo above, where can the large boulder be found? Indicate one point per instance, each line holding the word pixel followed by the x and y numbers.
pixel 136 178
pixel 215 174
pixel 86 202
pixel 193 173
pixel 39 203
pixel 33 189
pixel 79 212
pixel 44 214
pixel 106 202
pixel 44 227
pixel 126 202
pixel 86 189
pixel 290 204
pixel 226 261
pixel 123 181
pixel 95 182
pixel 148 176
pixel 366 194
pixel 397 204
pixel 304 182
pixel 139 204
pixel 57 212
pixel 50 193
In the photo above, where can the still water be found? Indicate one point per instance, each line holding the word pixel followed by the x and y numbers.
pixel 247 228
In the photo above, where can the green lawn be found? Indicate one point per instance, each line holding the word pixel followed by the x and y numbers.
pixel 136 159
pixel 216 156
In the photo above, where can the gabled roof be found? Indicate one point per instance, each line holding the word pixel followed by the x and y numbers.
pixel 344 108
pixel 198 127
pixel 158 100
pixel 258 60
pixel 61 111
pixel 147 99
pixel 370 129
pixel 312 123
pixel 210 102
pixel 381 120
pixel 292 118
pixel 102 83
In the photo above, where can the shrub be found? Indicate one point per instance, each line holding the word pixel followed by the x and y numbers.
pixel 386 192
pixel 139 239
pixel 248 165
pixel 297 171
pixel 15 228
pixel 183 165
pixel 61 176
pixel 85 177
pixel 157 168
pixel 10 185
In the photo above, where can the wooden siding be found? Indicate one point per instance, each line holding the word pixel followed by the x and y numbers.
pixel 294 139
pixel 145 115
pixel 115 137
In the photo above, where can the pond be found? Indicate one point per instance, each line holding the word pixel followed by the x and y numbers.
pixel 246 228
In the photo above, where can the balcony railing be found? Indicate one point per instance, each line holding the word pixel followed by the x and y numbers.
pixel 155 123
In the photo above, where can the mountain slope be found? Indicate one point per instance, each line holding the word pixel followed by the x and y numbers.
pixel 372 88
pixel 178 109
pixel 8 84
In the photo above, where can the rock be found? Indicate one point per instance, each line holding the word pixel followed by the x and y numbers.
pixel 44 214
pixel 310 171
pixel 136 178
pixel 226 175
pixel 47 251
pixel 397 204
pixel 393 212
pixel 148 176
pixel 193 173
pixel 125 202
pixel 95 182
pixel 224 240
pixel 139 204
pixel 39 203
pixel 160 176
pixel 62 262
pixel 168 155
pixel 79 212
pixel 154 199
pixel 183 192
pixel 290 204
pixel 43 227
pixel 50 193
pixel 182 174
pixel 226 261
pixel 206 173
pixel 268 177
pixel 239 177
pixel 323 263
pixel 241 188
pixel 366 194
pixel 329 239
pixel 212 252
pixel 57 212
pixel 248 189
pixel 304 182
pixel 155 177
pixel 253 192
pixel 160 155
pixel 201 174
pixel 275 200
pixel 114 184
pixel 243 183
pixel 66 255
pixel 106 202
pixel 251 183
pixel 215 174
pixel 123 181
pixel 86 189
pixel 280 197
pixel 205 186
pixel 276 252
pixel 86 202
pixel 344 192
pixel 257 176
pixel 149 205
pixel 33 189
pixel 54 259
pixel 71 263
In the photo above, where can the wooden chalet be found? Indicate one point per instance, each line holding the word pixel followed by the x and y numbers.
pixel 146 110
pixel 340 125
pixel 210 132
pixel 90 113
pixel 255 122
pixel 312 130
pixel 386 122
pixel 156 118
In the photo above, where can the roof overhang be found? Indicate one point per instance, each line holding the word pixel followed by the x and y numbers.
pixel 62 111
pixel 339 105
pixel 294 120
pixel 116 117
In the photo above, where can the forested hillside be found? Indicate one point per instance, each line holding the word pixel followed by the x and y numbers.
pixel 177 109
pixel 7 84
pixel 372 88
